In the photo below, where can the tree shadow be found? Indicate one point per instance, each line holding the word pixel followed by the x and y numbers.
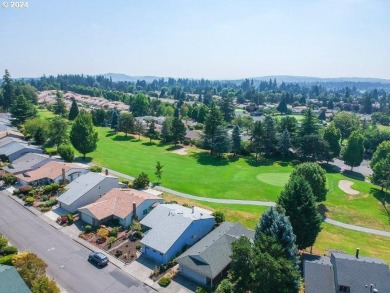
pixel 353 175
pixel 322 209
pixel 147 143
pixel 82 160
pixel 207 159
pixel 110 133
pixel 123 138
pixel 380 195
pixel 233 158
pixel 251 161
pixel 174 148
pixel 330 168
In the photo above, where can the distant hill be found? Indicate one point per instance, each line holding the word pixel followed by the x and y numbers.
pixel 124 77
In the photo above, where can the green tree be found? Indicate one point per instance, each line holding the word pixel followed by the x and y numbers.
pixel 322 115
pixel 256 139
pixel 227 108
pixel 138 128
pixel 66 153
pixel 315 176
pixel 202 114
pixel 354 150
pixel 236 140
pixel 59 106
pixel 139 105
pixel 213 120
pixel 219 217
pixel 159 171
pixel 166 129
pixel 36 128
pixel 332 136
pixel 22 109
pixel 57 132
pixel 241 267
pixel 282 107
pixel 8 90
pixel 29 266
pixel 225 287
pixel 314 147
pixel 142 181
pixel 26 90
pixel 380 153
pixel 275 224
pixel 126 123
pixel 44 285
pixel 152 133
pixel 114 119
pixel 74 111
pixel 309 123
pixel 269 137
pixel 178 128
pixel 99 117
pixel 346 122
pixel 82 135
pixel 381 173
pixel 284 143
pixel 298 202
pixel 221 143
pixel 367 104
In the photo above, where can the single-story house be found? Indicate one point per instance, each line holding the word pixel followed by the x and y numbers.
pixel 28 162
pixel 121 204
pixel 9 139
pixel 52 172
pixel 11 133
pixel 209 258
pixel 173 228
pixel 86 189
pixel 342 272
pixel 11 281
pixel 15 150
pixel 192 135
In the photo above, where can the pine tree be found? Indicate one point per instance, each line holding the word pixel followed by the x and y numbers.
pixel 22 109
pixel 236 140
pixel 284 143
pixel 166 129
pixel 152 133
pixel 8 90
pixel 354 151
pixel 178 128
pixel 227 108
pixel 114 119
pixel 74 111
pixel 58 132
pixel 82 135
pixel 332 136
pixel 270 140
pixel 315 176
pixel 282 107
pixel 257 138
pixel 59 106
pixel 322 115
pixel 309 123
pixel 298 203
pixel 221 143
pixel 213 120
pixel 275 224
pixel 159 171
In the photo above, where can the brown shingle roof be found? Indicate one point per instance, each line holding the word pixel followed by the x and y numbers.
pixel 51 170
pixel 118 202
pixel 8 132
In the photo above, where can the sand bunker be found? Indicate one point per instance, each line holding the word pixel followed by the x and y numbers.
pixel 345 185
pixel 182 152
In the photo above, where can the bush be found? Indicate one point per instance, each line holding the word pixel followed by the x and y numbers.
pixel 66 152
pixel 45 197
pixel 142 181
pixel 16 191
pixel 51 151
pixel 102 233
pixel 114 232
pixel 25 189
pixel 29 199
pixel 88 228
pixel 164 282
pixel 112 239
pixel 135 226
pixel 138 246
pixel 95 169
pixel 50 203
pixel 55 186
pixel 201 290
pixel 45 209
pixel 10 250
pixel 9 178
pixel 70 218
pixel 6 260
pixel 219 217
pixel 47 188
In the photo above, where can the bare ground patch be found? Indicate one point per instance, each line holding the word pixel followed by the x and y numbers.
pixel 181 151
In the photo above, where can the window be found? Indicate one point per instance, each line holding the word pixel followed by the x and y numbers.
pixel 145 212
pixel 344 289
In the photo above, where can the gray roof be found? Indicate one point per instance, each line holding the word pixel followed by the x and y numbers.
pixel 27 162
pixel 78 187
pixel 8 139
pixel 11 281
pixel 211 255
pixel 4 127
pixel 168 222
pixel 14 147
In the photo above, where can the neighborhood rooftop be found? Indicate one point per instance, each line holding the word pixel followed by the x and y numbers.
pixel 11 281
pixel 26 162
pixel 168 222
pixel 15 146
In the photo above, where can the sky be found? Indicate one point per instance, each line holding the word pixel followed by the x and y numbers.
pixel 214 39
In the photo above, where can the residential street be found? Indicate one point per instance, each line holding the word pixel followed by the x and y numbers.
pixel 66 259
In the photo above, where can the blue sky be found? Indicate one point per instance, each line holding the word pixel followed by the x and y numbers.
pixel 198 38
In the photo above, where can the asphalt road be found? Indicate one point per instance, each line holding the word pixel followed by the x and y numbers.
pixel 66 259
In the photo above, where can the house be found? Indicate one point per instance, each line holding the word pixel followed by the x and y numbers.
pixel 15 150
pixel 28 162
pixel 52 172
pixel 9 139
pixel 86 189
pixel 121 204
pixel 173 228
pixel 11 281
pixel 11 133
pixel 341 272
pixel 192 135
pixel 209 259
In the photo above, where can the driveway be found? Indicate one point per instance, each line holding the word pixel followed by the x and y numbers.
pixel 66 259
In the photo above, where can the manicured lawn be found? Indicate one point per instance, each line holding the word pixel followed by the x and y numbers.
pixel 44 113
pixel 298 117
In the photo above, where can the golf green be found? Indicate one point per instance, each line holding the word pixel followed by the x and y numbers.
pixel 275 179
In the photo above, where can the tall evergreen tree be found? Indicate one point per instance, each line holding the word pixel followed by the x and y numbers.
pixel 298 202
pixel 82 135
pixel 178 128
pixel 275 224
pixel 309 123
pixel 114 119
pixel 367 103
pixel 221 143
pixel 332 136
pixel 257 138
pixel 59 106
pixel 151 132
pixel 22 109
pixel 213 120
pixel 227 108
pixel 74 111
pixel 315 176
pixel 282 107
pixel 284 143
pixel 58 132
pixel 270 140
pixel 236 140
pixel 8 90
pixel 380 153
pixel 166 129
pixel 322 115
pixel 354 150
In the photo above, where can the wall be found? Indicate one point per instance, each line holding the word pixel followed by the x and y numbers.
pixel 193 275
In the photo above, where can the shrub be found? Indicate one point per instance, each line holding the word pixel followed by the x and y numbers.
pixel 6 260
pixel 25 189
pixel 45 197
pixel 47 188
pixel 164 282
pixel 29 199
pixel 70 218
pixel 66 152
pixel 102 233
pixel 9 178
pixel 142 181
pixel 138 246
pixel 219 217
pixel 51 151
pixel 45 209
pixel 201 290
pixel 55 186
pixel 112 239
pixel 10 250
pixel 16 191
pixel 114 232
pixel 50 203
pixel 95 169
pixel 88 228
pixel 135 226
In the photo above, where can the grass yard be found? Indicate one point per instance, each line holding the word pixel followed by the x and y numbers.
pixel 45 114
pixel 299 117
pixel 383 127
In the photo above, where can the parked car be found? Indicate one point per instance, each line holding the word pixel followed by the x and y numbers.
pixel 98 258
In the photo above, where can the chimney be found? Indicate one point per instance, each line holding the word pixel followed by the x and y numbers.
pixel 135 217
pixel 357 252
pixel 106 172
pixel 63 176
pixel 193 209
